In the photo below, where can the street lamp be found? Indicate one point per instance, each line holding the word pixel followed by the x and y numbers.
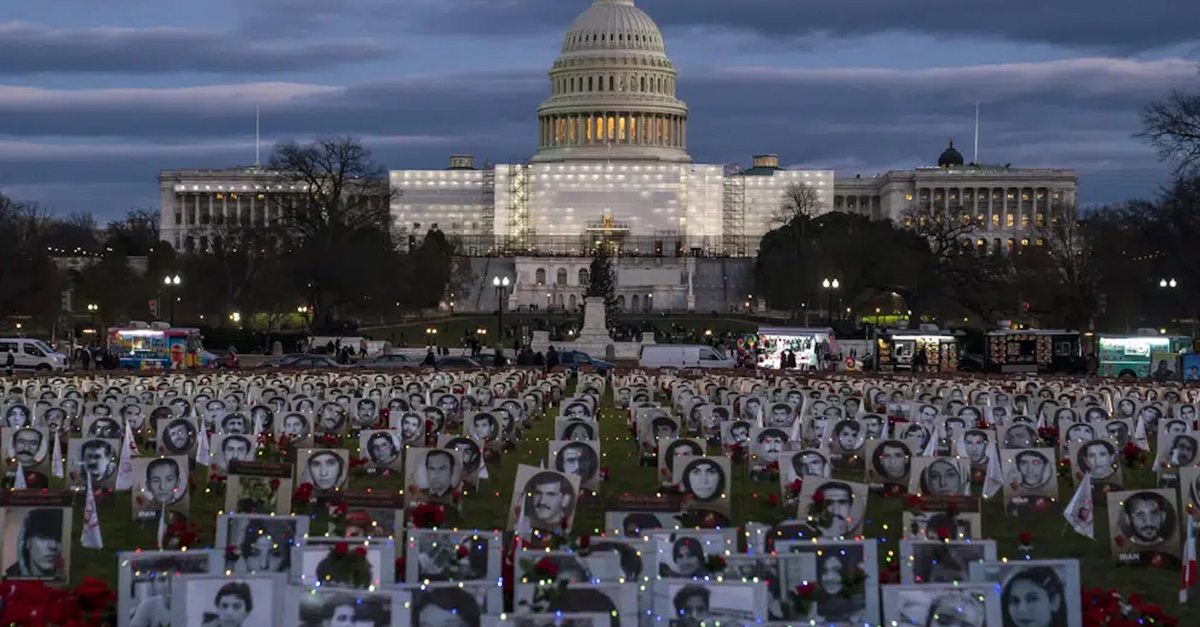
pixel 501 285
pixel 236 318
pixel 172 283
pixel 93 308
pixel 430 335
pixel 830 285
pixel 1165 283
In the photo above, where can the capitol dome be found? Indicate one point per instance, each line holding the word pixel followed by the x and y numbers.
pixel 612 92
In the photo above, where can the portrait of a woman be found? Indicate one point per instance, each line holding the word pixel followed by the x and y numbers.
pixel 704 479
pixel 1034 597
pixel 833 606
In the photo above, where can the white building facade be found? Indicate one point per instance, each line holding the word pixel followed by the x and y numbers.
pixel 612 167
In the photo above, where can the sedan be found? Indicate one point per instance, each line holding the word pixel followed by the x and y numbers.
pixel 301 360
pixel 394 360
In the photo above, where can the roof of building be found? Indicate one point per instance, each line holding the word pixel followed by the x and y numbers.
pixel 950 157
pixel 610 25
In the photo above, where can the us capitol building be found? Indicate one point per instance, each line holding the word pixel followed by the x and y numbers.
pixel 612 169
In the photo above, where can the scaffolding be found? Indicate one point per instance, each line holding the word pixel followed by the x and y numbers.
pixel 488 199
pixel 520 234
pixel 733 212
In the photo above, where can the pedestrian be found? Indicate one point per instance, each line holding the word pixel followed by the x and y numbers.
pixel 10 362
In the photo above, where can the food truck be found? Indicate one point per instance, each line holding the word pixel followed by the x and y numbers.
pixel 808 344
pixel 1138 355
pixel 895 349
pixel 158 346
pixel 1034 350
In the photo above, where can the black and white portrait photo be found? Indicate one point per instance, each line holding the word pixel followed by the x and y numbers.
pixel 685 555
pixel 735 433
pixel 942 605
pixel 1030 477
pixel 484 426
pixel 472 455
pixel 828 564
pixel 889 461
pixel 705 482
pixel 847 437
pixel 578 458
pixel 144 594
pixel 17 416
pixel 296 426
pixel 804 463
pixel 326 469
pixel 973 445
pixel 1099 457
pixel 546 497
pixel 933 525
pixel 411 426
pixel 940 476
pixel 693 447
pixel 1177 450
pixel 841 509
pixel 92 457
pixel 432 475
pixel 235 423
pixel 227 601
pixel 331 418
pixel 453 556
pixel 575 429
pixel 382 449
pixel 938 561
pixel 1144 527
pixel 447 606
pixel 262 543
pixel 322 607
pixel 1019 436
pixel 105 427
pixel 176 436
pixel 37 543
pixel 1034 593
pixel 767 446
pixel 318 562
pixel 229 448
pixel 28 446
pixel 693 604
pixel 160 482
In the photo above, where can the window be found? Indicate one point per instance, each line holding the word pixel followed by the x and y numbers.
pixel 561 278
pixel 32 350
pixel 540 276
pixel 583 276
pixel 708 354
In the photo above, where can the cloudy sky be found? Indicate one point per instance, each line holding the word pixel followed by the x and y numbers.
pixel 97 97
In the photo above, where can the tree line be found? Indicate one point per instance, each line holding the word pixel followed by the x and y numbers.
pixel 332 258
pixel 1118 267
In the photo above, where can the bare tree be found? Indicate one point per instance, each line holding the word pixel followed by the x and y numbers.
pixel 799 200
pixel 1172 126
pixel 28 277
pixel 338 188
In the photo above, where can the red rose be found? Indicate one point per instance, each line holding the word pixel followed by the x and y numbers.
pixel 566 523
pixel 274 484
pixel 943 532
pixel 818 498
pixel 585 542
pixel 400 568
pixel 805 589
pixel 773 500
pixel 1026 538
pixel 94 594
pixel 231 552
pixel 340 549
pixel 912 501
pixel 546 568
pixel 463 551
pixel 1119 541
pixel 361 551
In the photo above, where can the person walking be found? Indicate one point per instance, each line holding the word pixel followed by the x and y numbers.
pixel 10 362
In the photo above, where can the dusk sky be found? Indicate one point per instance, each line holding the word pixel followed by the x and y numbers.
pixel 97 97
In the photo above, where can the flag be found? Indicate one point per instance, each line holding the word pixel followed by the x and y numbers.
pixel 162 526
pixel 1139 435
pixel 125 462
pixel 1188 580
pixel 993 480
pixel 931 445
pixel 19 481
pixel 1079 510
pixel 56 457
pixel 202 453
pixel 91 538
pixel 483 473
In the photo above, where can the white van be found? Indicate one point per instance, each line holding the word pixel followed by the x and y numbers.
pixel 682 356
pixel 31 354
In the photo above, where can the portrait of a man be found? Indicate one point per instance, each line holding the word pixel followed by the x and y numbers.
pixel 1098 457
pixel 27 446
pixel 164 482
pixel 579 459
pixel 412 427
pixel 843 504
pixel 41 542
pixel 891 462
pixel 848 436
pixel 97 459
pixel 767 446
pixel 1020 436
pixel 231 448
pixel 382 448
pixel 1181 450
pixel 975 447
pixel 1147 518
pixel 105 427
pixel 1119 431
pixel 484 426
pixel 781 415
pixel 433 475
pixel 809 463
pixel 548 499
pixel 445 607
pixel 234 423
pixel 296 426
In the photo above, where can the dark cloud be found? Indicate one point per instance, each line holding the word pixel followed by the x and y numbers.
pixel 1071 114
pixel 1116 27
pixel 35 49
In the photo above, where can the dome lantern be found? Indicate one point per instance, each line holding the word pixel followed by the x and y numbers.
pixel 950 158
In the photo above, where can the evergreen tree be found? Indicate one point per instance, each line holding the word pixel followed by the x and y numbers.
pixel 602 284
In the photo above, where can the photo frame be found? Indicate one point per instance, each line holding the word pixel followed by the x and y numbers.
pixel 829 557
pixel 317 564
pixel 95 456
pixel 436 555
pixel 680 447
pixel 942 561
pixel 470 600
pixel 546 496
pixel 160 482
pixel 26 516
pixel 686 603
pixel 932 525
pixel 684 553
pixel 1051 578
pixel 433 475
pixel 259 488
pixel 327 469
pixel 577 457
pixel 383 450
pixel 1030 479
pixel 940 477
pixel 296 426
pixel 572 566
pixel 888 462
pixel 845 504
pixel 620 600
pixel 372 515
pixel 968 605
pixel 317 607
pixel 256 599
pixel 144 588
pixel 261 543
pixel 706 480
pixel 1145 527
pixel 472 456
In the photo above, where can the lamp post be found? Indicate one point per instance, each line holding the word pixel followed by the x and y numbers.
pixel 830 285
pixel 501 285
pixel 430 336
pixel 93 308
pixel 172 283
pixel 1168 284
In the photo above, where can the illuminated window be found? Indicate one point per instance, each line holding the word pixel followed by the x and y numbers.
pixel 1008 220
pixel 612 122
pixel 966 219
pixel 621 128
pixel 1039 241
pixel 980 219
pixel 633 127
pixel 1039 219
pixel 981 242
pixel 1024 219
pixel 1024 241
pixel 908 222
pixel 220 196
pixel 599 128
pixel 908 197
pixel 1011 245
pixel 995 219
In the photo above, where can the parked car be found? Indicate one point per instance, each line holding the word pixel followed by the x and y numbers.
pixel 224 359
pixel 457 361
pixel 301 360
pixel 683 356
pixel 31 354
pixel 575 359
pixel 395 360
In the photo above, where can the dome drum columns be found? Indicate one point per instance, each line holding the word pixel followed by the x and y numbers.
pixel 613 128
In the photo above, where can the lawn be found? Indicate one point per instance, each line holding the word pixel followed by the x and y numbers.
pixel 1052 539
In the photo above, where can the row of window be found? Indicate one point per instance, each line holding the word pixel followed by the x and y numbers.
pixel 620 38
pixel 663 85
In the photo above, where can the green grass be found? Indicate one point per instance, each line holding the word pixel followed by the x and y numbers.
pixel 488 508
